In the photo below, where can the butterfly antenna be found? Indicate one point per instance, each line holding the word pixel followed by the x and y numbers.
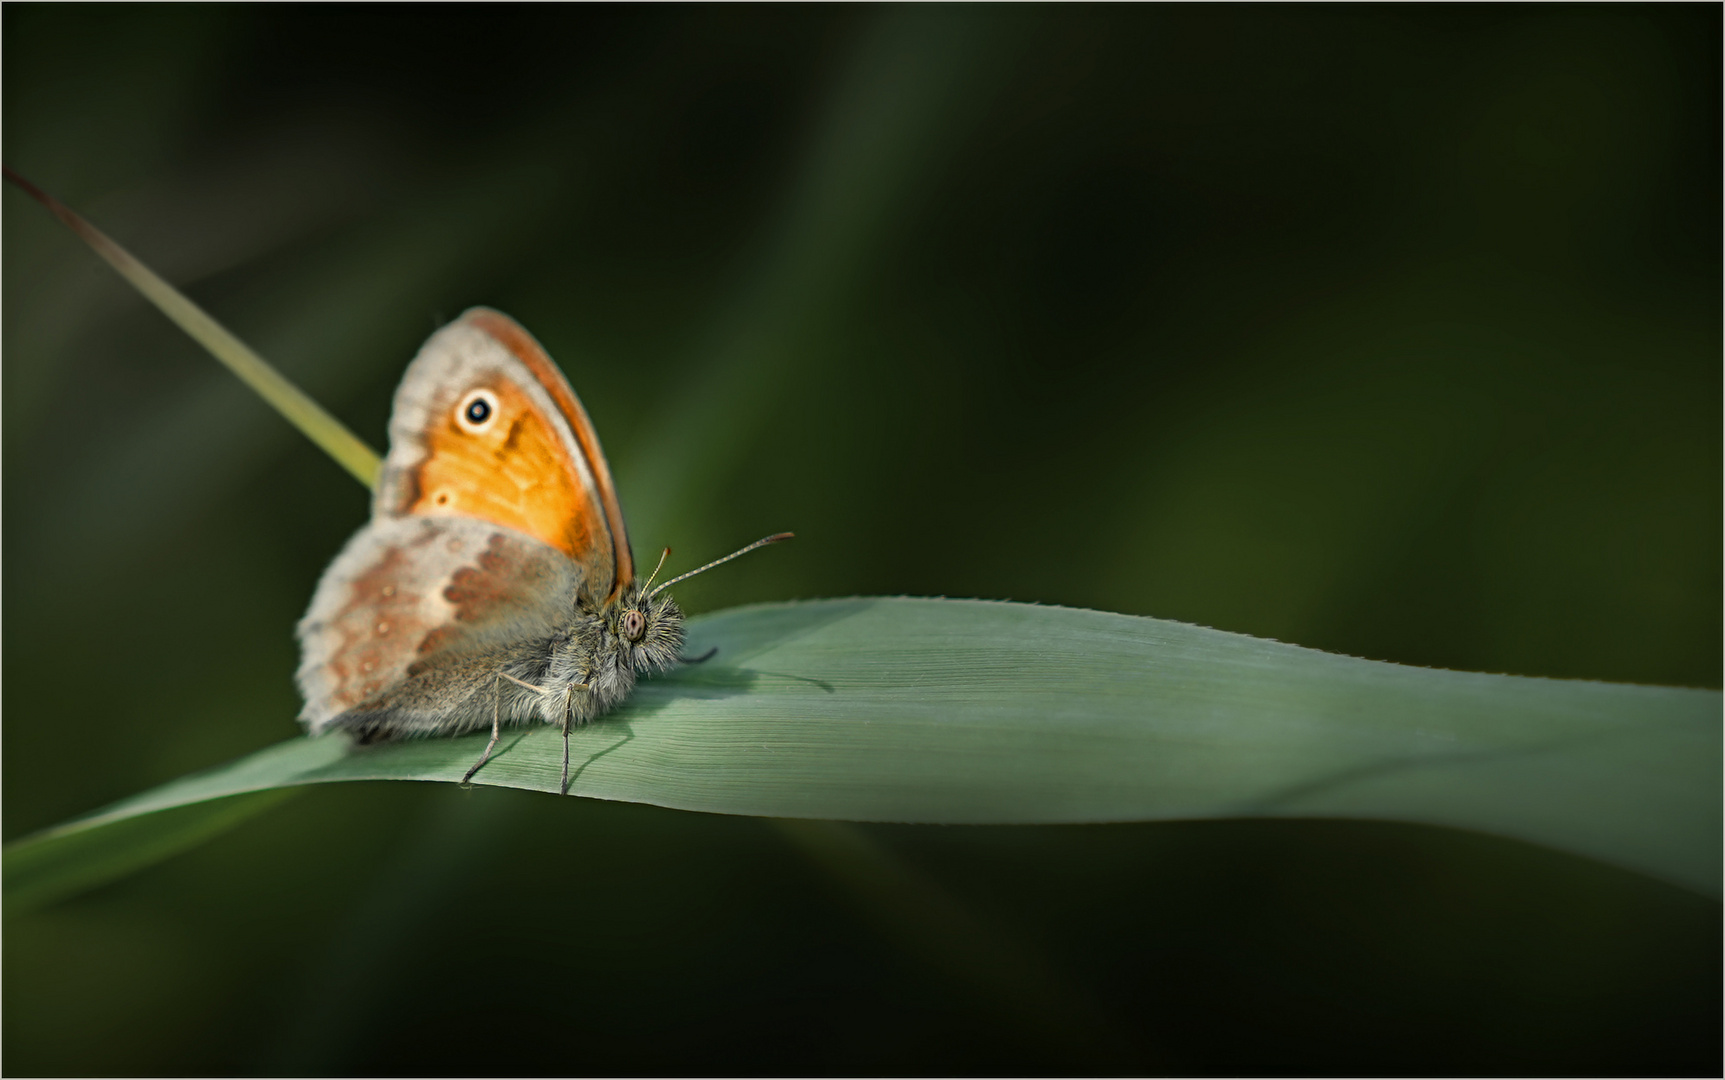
pixel 762 542
pixel 663 555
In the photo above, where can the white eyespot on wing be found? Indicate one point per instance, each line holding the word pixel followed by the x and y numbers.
pixel 476 412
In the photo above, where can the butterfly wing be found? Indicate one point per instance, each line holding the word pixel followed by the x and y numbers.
pixel 494 511
pixel 531 463
pixel 415 617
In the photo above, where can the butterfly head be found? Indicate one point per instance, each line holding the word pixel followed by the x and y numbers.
pixel 611 643
pixel 645 626
pixel 645 630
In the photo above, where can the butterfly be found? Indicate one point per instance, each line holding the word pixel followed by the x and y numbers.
pixel 494 583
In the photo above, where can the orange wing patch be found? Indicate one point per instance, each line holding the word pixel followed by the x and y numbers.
pixel 520 344
pixel 511 469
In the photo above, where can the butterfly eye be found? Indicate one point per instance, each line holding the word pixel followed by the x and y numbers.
pixel 634 625
pixel 477 411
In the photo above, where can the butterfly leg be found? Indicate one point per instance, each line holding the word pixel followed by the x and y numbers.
pixel 496 728
pixel 568 711
pixel 543 692
pixel 701 659
pixel 563 787
pixel 568 722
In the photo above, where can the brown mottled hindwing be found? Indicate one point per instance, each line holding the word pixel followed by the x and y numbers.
pixel 416 616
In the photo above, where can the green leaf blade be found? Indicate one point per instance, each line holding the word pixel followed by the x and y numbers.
pixel 974 712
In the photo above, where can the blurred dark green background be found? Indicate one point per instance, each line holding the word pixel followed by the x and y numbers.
pixel 1393 331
